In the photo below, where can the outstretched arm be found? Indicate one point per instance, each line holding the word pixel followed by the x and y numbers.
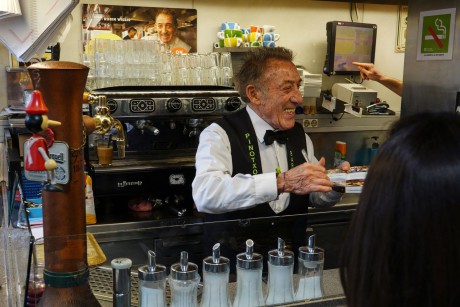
pixel 369 72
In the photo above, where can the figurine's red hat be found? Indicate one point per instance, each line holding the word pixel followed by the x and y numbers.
pixel 36 105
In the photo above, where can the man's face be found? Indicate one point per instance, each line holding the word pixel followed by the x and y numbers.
pixel 165 27
pixel 279 94
pixel 132 33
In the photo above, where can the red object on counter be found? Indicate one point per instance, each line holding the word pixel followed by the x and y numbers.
pixel 35 292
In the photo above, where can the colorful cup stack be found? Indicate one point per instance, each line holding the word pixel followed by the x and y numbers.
pixel 232 35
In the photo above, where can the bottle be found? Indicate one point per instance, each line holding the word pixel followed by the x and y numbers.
pixel 280 274
pixel 249 267
pixel 89 201
pixel 183 281
pixel 340 153
pixel 310 263
pixel 373 148
pixel 121 277
pixel 152 283
pixel 216 270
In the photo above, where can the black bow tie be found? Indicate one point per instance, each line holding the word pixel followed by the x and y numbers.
pixel 279 136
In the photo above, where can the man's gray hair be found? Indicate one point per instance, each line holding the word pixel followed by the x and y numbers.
pixel 255 65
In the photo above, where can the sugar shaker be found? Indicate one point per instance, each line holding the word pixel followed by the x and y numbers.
pixel 310 263
pixel 216 270
pixel 280 275
pixel 249 267
pixel 183 281
pixel 152 283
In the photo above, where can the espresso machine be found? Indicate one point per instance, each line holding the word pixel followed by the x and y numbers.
pixel 153 163
pixel 161 127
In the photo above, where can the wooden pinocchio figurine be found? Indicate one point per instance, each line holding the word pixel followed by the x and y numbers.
pixel 37 158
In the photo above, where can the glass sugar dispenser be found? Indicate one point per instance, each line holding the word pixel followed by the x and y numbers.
pixel 280 275
pixel 310 263
pixel 152 283
pixel 216 271
pixel 249 267
pixel 183 281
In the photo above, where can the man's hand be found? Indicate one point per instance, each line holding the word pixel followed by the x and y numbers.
pixel 306 178
pixel 345 166
pixel 368 71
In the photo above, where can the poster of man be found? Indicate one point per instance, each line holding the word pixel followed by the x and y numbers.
pixel 175 28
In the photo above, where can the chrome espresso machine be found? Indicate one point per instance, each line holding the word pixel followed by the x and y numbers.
pixel 157 136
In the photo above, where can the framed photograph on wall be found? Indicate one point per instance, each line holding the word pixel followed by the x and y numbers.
pixel 401 29
pixel 175 28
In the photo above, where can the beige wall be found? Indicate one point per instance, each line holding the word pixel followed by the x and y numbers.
pixel 301 24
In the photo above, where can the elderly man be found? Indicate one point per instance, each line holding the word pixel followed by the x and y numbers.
pixel 258 162
pixel 166 27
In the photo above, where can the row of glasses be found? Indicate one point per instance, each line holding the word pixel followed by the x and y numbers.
pixel 148 62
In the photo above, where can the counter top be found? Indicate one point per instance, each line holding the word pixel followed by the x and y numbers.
pixel 347 122
pixel 348 201
pixel 347 204
pixel 11 263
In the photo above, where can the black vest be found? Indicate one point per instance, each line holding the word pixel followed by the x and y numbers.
pixel 246 160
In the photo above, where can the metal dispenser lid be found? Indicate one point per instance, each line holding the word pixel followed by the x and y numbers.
pixel 121 282
pixel 311 252
pixel 184 270
pixel 216 263
pixel 281 256
pixel 152 271
pixel 249 260
pixel 121 263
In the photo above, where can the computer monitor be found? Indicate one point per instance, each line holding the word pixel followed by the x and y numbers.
pixel 348 42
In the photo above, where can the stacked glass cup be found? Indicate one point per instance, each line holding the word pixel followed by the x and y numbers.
pixel 148 62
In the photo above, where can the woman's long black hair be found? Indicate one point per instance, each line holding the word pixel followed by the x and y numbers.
pixel 403 245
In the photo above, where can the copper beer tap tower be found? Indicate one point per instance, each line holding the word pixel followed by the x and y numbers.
pixel 64 224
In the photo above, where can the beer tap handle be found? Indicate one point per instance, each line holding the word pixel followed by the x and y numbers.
pixel 89 98
pixel 103 122
pixel 89 123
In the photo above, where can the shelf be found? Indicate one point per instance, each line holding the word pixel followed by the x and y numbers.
pixel 233 49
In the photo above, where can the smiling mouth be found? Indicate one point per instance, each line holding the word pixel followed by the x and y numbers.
pixel 289 111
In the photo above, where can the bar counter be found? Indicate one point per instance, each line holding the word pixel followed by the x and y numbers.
pixel 14 252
